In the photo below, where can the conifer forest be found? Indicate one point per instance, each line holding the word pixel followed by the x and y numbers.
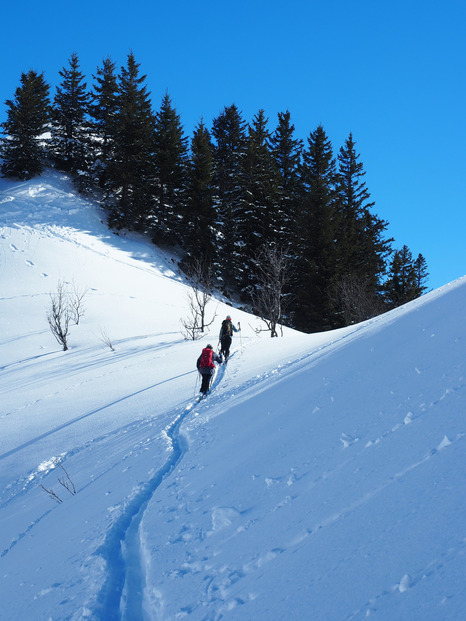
pixel 248 207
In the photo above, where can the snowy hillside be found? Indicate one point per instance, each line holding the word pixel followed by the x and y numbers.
pixel 322 479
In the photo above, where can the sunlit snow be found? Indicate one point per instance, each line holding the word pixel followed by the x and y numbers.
pixel 322 479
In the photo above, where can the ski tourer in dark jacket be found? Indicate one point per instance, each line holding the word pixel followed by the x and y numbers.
pixel 226 334
pixel 206 366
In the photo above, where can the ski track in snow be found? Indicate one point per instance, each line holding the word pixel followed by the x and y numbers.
pixel 122 594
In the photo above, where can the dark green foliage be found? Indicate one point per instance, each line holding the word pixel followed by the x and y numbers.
pixel 242 193
pixel 229 132
pixel 103 111
pixel 130 175
pixel 256 218
pixel 23 148
pixel 286 153
pixel 406 278
pixel 170 159
pixel 315 235
pixel 362 250
pixel 70 128
pixel 200 217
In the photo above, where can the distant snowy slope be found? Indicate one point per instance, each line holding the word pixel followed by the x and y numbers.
pixel 322 479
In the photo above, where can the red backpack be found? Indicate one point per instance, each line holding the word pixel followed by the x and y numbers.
pixel 206 358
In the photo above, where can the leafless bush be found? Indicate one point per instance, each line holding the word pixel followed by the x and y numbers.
pixel 272 275
pixel 65 481
pixel 201 280
pixel 355 299
pixel 76 302
pixel 59 315
pixel 104 337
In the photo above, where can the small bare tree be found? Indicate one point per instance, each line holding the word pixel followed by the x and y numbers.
pixel 59 315
pixel 201 280
pixel 76 302
pixel 104 337
pixel 272 275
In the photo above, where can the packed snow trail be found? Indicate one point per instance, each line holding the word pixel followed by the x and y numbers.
pixel 122 594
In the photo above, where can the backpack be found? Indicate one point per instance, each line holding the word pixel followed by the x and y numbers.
pixel 226 328
pixel 206 358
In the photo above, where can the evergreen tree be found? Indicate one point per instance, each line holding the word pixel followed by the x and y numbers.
pixel 131 173
pixel 171 158
pixel 406 279
pixel 362 251
pixel 229 132
pixel 23 149
pixel 200 229
pixel 286 153
pixel 400 284
pixel 315 236
pixel 70 128
pixel 257 225
pixel 420 275
pixel 103 112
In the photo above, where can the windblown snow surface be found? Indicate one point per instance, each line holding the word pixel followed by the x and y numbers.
pixel 322 479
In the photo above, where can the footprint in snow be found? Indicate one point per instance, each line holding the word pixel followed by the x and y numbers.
pixel 13 248
pixel 30 263
pixel 347 440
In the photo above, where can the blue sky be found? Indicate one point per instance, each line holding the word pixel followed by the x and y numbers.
pixel 391 72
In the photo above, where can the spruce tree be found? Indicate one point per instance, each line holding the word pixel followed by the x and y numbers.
pixel 131 173
pixel 316 257
pixel 170 159
pixel 406 278
pixel 70 127
pixel 200 221
pixel 420 275
pixel 23 148
pixel 286 153
pixel 103 111
pixel 362 250
pixel 257 225
pixel 229 132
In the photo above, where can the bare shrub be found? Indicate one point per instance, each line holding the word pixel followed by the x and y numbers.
pixel 59 315
pixel 65 481
pixel 201 280
pixel 104 337
pixel 76 302
pixel 272 275
pixel 355 299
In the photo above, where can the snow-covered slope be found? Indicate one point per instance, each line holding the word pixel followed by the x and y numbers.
pixel 322 479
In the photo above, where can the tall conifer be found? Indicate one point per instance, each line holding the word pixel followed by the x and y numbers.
pixel 286 153
pixel 315 235
pixel 362 248
pixel 70 128
pixel 229 132
pixel 23 149
pixel 257 225
pixel 131 173
pixel 200 226
pixel 170 159
pixel 103 111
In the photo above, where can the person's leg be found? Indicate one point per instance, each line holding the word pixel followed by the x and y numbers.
pixel 205 382
pixel 227 346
